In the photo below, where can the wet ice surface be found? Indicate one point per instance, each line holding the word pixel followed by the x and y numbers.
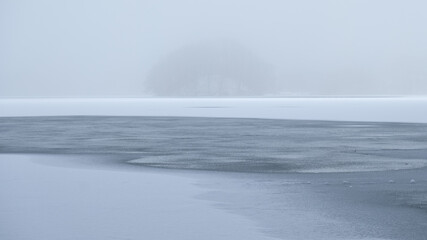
pixel 237 145
pixel 261 169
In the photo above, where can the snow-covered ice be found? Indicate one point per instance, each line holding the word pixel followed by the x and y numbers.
pixel 403 109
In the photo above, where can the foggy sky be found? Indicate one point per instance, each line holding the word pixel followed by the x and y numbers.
pixel 107 48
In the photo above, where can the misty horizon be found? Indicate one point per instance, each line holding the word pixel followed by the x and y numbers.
pixel 280 48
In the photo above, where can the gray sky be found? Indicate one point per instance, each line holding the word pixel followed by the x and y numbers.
pixel 107 48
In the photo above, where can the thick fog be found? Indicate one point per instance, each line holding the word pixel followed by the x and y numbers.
pixel 212 48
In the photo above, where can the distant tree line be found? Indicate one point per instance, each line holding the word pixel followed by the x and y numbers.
pixel 224 69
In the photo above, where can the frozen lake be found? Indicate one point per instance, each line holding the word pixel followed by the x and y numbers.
pixel 258 176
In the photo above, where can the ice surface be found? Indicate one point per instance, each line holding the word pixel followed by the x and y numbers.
pixel 51 203
pixel 55 197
